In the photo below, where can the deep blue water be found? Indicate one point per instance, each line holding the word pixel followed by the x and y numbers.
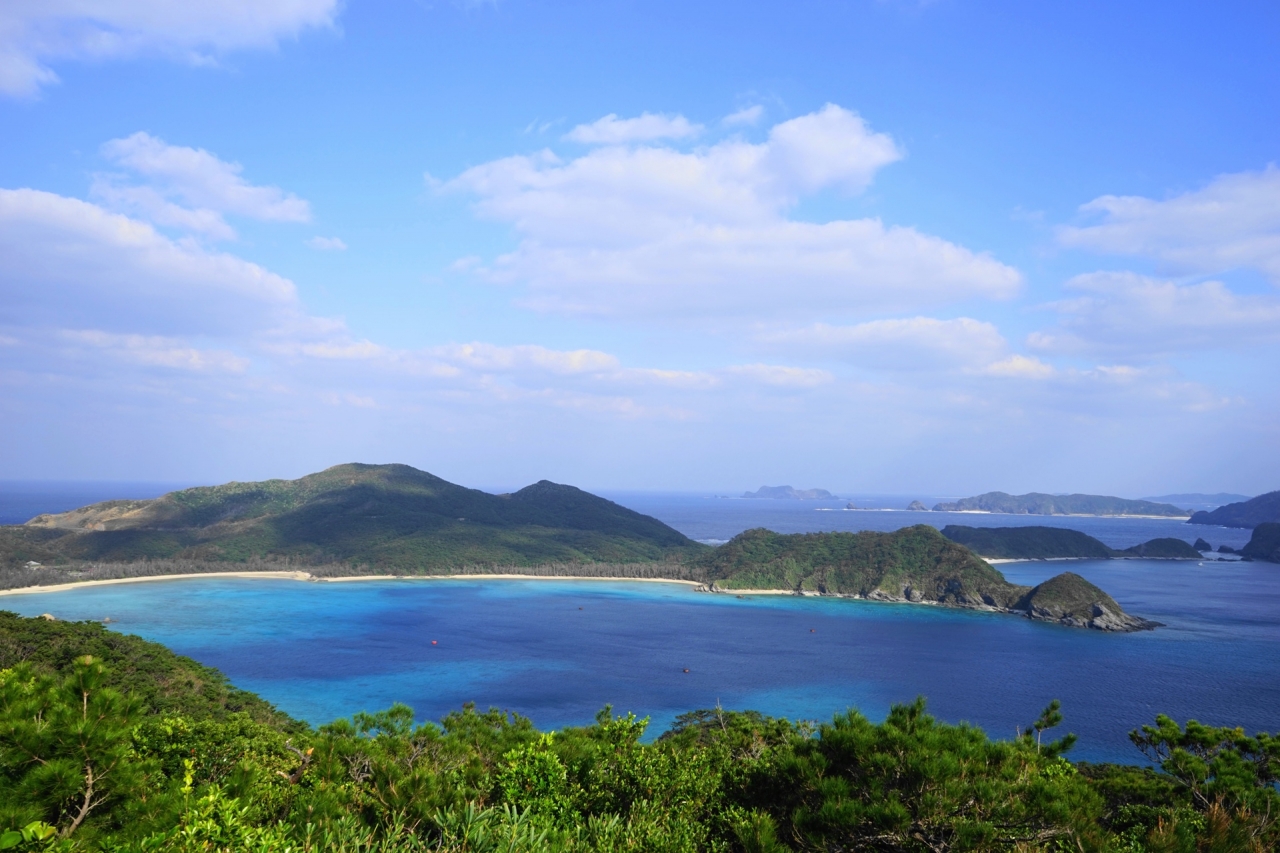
pixel 559 650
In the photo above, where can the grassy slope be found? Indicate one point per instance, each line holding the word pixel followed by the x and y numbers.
pixel 165 682
pixel 390 516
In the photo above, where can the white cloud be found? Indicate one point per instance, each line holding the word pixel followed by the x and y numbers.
pixel 655 231
pixel 648 127
pixel 36 33
pixel 1021 367
pixel 70 264
pixel 327 244
pixel 748 116
pixel 1233 222
pixel 156 351
pixel 914 343
pixel 205 184
pixel 490 357
pixel 1123 312
pixel 781 376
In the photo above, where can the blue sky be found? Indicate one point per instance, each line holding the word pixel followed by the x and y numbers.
pixel 941 247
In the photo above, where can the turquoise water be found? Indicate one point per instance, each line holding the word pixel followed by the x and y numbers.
pixel 558 651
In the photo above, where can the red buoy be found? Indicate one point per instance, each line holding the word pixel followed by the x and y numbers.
pixel 433 642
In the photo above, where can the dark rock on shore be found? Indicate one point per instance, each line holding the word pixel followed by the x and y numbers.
pixel 916 506
pixel 1201 545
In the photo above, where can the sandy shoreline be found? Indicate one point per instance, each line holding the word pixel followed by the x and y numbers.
pixel 306 576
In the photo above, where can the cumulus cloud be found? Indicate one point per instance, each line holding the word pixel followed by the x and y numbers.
pixel 649 230
pixel 1123 312
pixel 1233 222
pixel 648 127
pixel 71 264
pixel 37 33
pixel 206 187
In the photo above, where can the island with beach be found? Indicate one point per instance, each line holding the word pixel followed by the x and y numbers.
pixel 382 521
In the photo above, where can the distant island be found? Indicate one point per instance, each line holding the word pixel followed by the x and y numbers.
pixel 915 564
pixel 788 493
pixel 1263 509
pixel 1036 503
pixel 363 520
pixel 1058 543
pixel 1199 500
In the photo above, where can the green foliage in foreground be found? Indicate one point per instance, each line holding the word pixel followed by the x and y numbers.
pixel 86 767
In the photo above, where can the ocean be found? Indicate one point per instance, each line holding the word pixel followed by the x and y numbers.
pixel 557 651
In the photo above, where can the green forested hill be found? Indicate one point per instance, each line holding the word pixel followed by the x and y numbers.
pixel 389 516
pixel 1058 543
pixel 1036 503
pixel 1028 543
pixel 1263 509
pixel 914 564
pixel 1264 544
pixel 162 681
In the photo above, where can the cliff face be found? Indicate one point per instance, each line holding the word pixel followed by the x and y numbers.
pixel 1263 509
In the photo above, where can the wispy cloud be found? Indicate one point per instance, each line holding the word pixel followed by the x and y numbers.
pixel 1233 222
pixel 327 244
pixel 36 35
pixel 189 188
pixel 648 127
pixel 1150 318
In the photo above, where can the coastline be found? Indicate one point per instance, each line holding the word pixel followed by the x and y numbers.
pixel 307 576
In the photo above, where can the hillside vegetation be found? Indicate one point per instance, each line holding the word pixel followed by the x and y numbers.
pixel 916 564
pixel 1036 503
pixel 1057 543
pixel 391 516
pixel 85 766
pixel 1264 509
